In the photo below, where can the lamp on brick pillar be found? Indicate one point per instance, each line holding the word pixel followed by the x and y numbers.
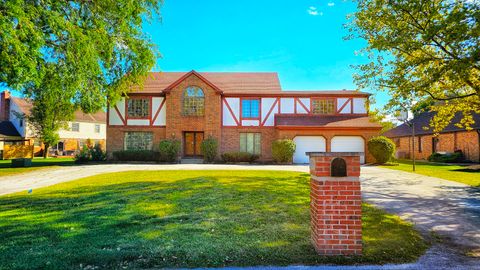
pixel 335 203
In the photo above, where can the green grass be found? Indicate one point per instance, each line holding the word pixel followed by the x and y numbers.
pixel 37 164
pixel 449 172
pixel 163 219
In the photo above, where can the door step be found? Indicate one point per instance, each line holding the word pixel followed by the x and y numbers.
pixel 191 161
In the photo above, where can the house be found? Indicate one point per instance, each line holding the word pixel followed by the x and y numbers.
pixel 243 111
pixel 15 130
pixel 451 139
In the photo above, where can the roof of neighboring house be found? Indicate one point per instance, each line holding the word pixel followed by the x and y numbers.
pixel 422 121
pixel 98 117
pixel 7 129
pixel 343 121
pixel 230 83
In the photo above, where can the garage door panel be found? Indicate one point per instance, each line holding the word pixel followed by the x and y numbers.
pixel 349 144
pixel 307 144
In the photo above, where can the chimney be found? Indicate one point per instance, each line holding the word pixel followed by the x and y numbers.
pixel 5 106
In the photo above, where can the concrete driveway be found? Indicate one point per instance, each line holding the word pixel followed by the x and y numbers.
pixel 450 209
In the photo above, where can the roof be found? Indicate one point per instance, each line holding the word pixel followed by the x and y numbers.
pixel 422 121
pixel 7 129
pixel 330 121
pixel 99 117
pixel 232 83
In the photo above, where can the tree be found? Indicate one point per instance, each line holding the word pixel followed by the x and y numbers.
pixel 422 50
pixel 85 52
pixel 379 117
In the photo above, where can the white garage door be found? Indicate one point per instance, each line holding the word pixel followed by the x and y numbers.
pixel 307 144
pixel 349 144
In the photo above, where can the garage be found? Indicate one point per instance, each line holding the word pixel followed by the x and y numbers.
pixel 349 144
pixel 307 144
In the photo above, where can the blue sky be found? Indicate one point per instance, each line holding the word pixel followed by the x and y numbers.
pixel 302 40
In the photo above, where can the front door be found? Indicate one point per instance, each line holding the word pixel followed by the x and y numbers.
pixel 192 142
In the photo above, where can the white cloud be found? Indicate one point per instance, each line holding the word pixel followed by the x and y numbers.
pixel 314 12
pixel 331 4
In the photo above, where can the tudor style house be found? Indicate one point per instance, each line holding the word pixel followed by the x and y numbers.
pixel 243 111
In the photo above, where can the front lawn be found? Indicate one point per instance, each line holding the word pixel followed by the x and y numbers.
pixel 449 172
pixel 163 219
pixel 37 164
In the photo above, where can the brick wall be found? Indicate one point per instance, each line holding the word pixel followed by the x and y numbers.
pixel 335 206
pixel 329 134
pixel 231 140
pixel 116 136
pixel 176 123
pixel 467 141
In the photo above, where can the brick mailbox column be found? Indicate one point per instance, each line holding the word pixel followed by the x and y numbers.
pixel 335 203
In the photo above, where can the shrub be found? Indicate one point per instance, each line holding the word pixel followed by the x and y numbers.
pixel 233 157
pixel 455 157
pixel 209 149
pixel 169 150
pixel 136 155
pixel 282 150
pixel 381 148
pixel 90 153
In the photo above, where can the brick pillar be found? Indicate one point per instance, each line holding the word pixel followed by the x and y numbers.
pixel 335 206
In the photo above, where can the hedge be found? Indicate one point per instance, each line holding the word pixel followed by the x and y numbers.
pixel 136 155
pixel 381 148
pixel 234 157
pixel 283 150
pixel 209 149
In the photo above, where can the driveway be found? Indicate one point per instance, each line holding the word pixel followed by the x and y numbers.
pixel 450 209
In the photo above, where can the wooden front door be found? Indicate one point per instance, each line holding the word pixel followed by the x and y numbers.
pixel 192 142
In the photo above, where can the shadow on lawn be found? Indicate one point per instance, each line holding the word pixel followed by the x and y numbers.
pixel 191 222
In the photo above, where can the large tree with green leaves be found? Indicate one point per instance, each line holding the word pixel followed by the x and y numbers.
pixel 422 51
pixel 83 52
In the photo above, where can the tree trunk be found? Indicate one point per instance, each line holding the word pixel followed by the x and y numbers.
pixel 45 150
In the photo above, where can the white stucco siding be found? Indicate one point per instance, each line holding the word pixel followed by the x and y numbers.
pixel 161 119
pixel 138 122
pixel 228 118
pixel 250 123
pixel 303 103
pixel 86 131
pixel 287 105
pixel 114 118
pixel 359 105
pixel 270 121
pixel 345 103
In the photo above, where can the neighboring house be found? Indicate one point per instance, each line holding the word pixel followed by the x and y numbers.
pixel 243 111
pixel 85 126
pixel 452 138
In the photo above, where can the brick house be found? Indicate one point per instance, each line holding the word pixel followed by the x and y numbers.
pixel 83 127
pixel 452 138
pixel 243 111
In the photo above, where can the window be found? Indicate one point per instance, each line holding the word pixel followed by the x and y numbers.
pixel 323 106
pixel 250 108
pixel 76 127
pixel 138 140
pixel 250 142
pixel 20 122
pixel 193 101
pixel 139 108
pixel 97 128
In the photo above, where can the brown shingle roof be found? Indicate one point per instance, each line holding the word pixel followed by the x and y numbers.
pixel 99 117
pixel 422 121
pixel 228 82
pixel 343 121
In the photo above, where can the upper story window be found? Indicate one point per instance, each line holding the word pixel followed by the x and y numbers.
pixel 139 107
pixel 250 108
pixel 323 106
pixel 193 101
pixel 76 127
pixel 97 128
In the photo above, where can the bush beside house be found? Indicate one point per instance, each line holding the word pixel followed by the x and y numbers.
pixel 283 150
pixel 455 157
pixel 235 157
pixel 381 148
pixel 136 155
pixel 89 152
pixel 209 149
pixel 169 150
